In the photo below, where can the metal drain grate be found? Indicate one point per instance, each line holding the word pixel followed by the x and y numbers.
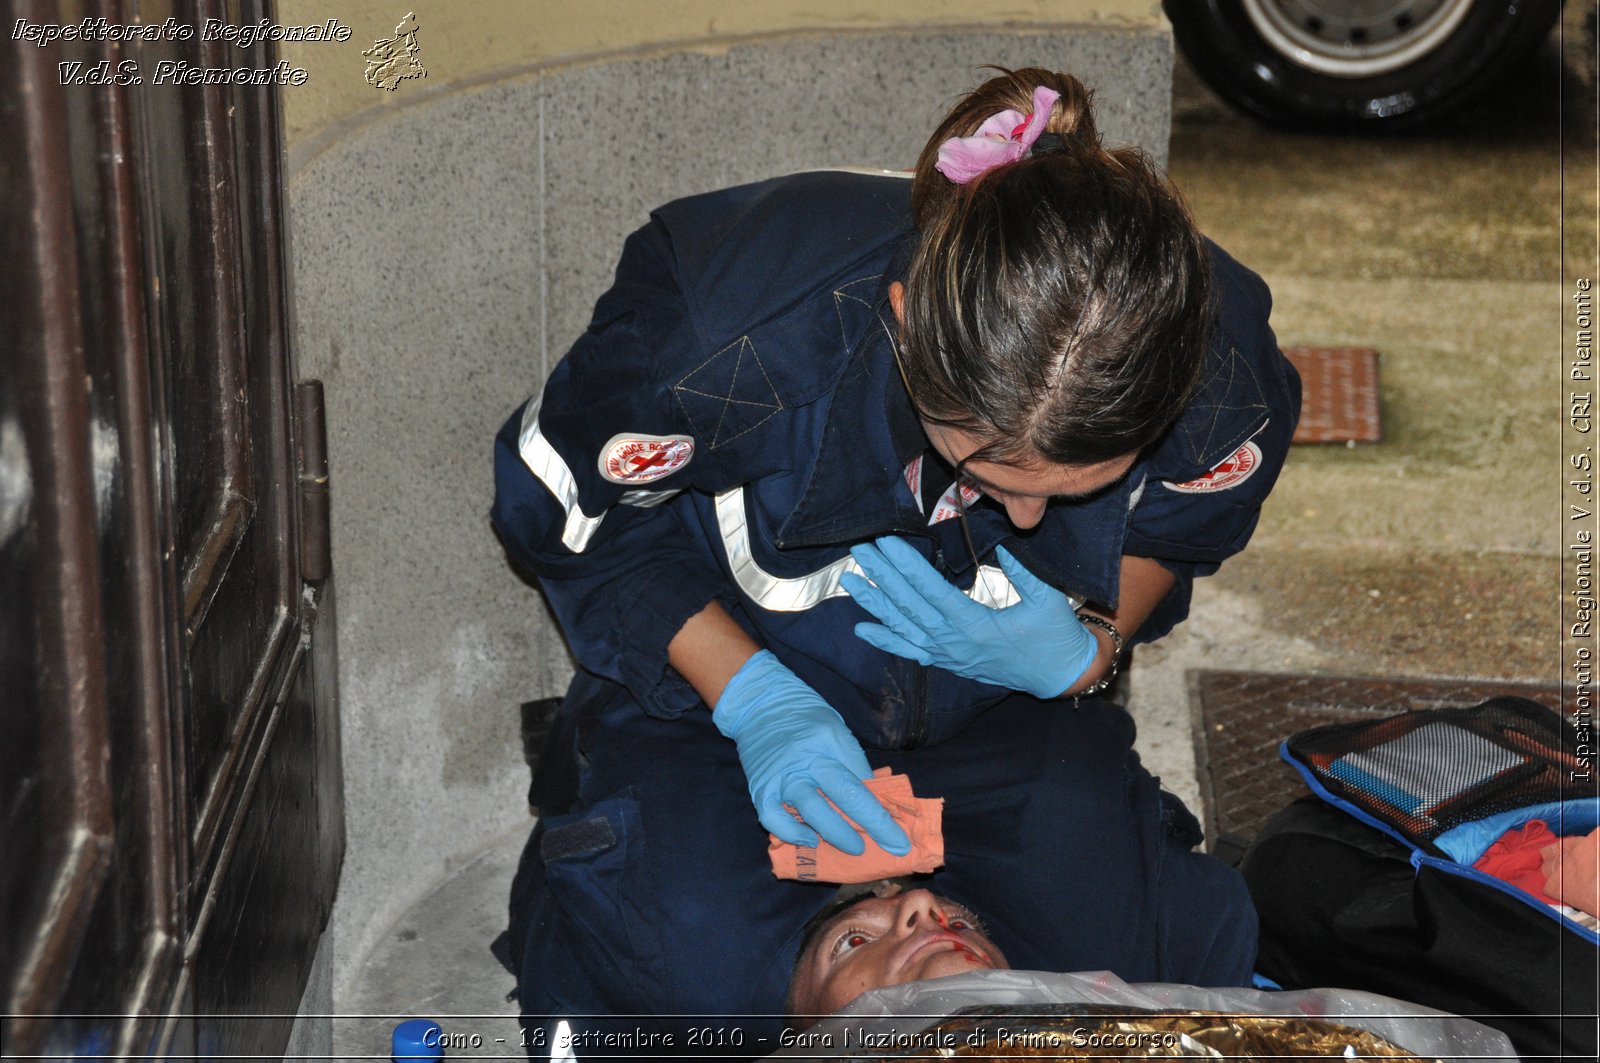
pixel 1241 717
pixel 1339 403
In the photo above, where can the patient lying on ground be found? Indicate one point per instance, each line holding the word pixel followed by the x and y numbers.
pixel 892 936
pixel 885 937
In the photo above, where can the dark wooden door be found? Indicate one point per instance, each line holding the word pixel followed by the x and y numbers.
pixel 169 766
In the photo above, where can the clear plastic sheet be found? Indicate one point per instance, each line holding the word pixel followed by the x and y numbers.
pixel 895 1021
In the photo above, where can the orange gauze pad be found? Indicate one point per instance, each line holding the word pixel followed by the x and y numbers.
pixel 922 818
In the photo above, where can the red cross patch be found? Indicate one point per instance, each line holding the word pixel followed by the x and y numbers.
pixel 641 459
pixel 1232 471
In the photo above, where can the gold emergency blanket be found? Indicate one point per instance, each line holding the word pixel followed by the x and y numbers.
pixel 1091 1031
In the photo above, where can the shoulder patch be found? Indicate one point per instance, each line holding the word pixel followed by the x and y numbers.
pixel 1232 471
pixel 639 459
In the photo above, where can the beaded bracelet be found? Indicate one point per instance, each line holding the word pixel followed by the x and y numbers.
pixel 1116 654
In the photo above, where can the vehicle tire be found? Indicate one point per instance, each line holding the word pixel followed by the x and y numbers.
pixel 1356 64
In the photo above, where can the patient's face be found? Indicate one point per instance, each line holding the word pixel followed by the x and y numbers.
pixel 885 941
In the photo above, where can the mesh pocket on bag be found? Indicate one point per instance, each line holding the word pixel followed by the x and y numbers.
pixel 1426 772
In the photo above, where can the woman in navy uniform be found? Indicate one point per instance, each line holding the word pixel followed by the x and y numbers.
pixel 852 471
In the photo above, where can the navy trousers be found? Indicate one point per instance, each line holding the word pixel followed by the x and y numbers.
pixel 645 903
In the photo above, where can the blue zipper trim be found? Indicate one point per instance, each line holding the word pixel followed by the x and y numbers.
pixel 1450 867
pixel 1420 858
pixel 1465 843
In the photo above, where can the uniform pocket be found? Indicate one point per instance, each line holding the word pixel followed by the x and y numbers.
pixel 599 927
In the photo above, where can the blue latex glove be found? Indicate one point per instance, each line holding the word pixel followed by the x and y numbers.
pixel 792 745
pixel 1037 645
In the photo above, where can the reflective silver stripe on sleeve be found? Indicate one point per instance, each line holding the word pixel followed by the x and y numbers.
pixel 771 592
pixel 779 595
pixel 543 461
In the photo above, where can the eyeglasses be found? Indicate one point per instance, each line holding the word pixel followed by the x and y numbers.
pixel 962 479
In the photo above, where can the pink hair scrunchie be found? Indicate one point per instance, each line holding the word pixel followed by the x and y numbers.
pixel 1005 137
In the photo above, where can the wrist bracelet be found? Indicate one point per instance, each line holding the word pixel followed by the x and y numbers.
pixel 1116 654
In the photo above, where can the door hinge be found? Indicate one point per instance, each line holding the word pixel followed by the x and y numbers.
pixel 311 458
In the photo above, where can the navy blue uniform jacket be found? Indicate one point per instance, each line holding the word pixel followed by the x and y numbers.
pixel 732 422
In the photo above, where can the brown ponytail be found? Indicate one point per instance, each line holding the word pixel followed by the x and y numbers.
pixel 1059 306
pixel 1072 119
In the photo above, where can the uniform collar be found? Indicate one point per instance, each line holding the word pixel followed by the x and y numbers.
pixel 1080 552
pixel 855 489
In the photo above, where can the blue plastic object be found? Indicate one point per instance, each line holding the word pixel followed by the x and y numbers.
pixel 416 1039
